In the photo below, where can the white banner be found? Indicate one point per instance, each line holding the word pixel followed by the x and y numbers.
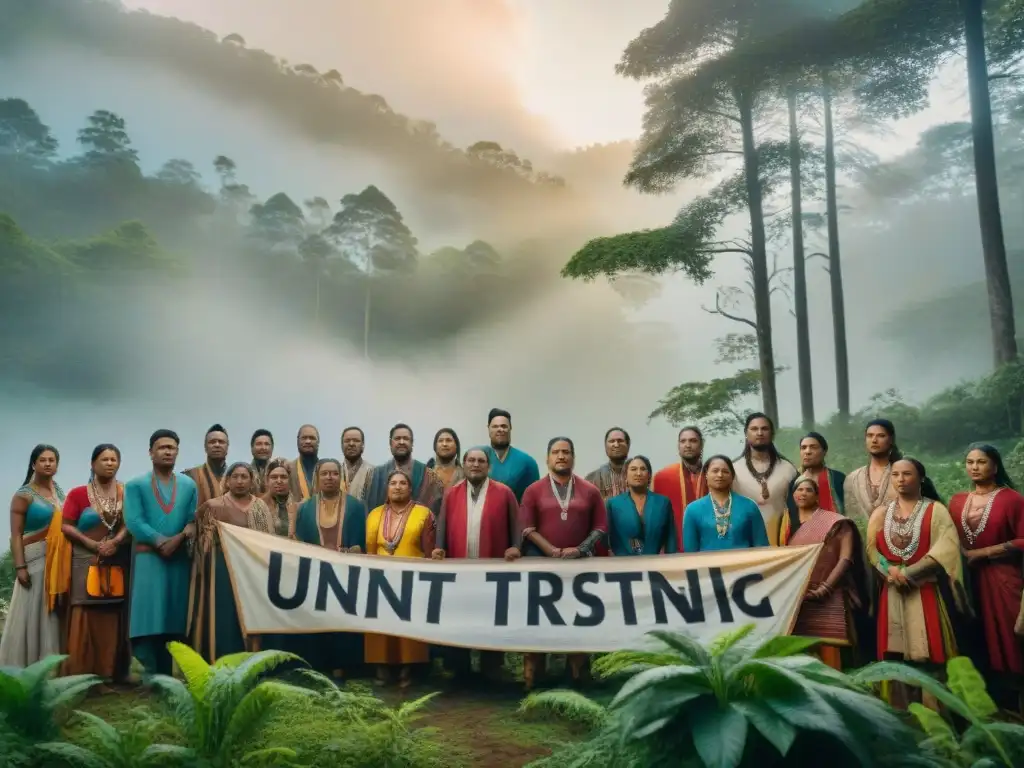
pixel 534 604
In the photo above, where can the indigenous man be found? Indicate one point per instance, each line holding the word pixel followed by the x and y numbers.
pixel 303 468
pixel 209 476
pixel 445 461
pixel 356 469
pixel 829 483
pixel 262 446
pixel 159 510
pixel 610 477
pixel 479 519
pixel 426 486
pixel 685 481
pixel 509 465
pixel 561 516
pixel 763 474
pixel 869 487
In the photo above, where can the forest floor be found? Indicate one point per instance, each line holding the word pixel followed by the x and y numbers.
pixel 475 726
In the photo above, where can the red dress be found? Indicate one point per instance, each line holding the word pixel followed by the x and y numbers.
pixel 997 584
pixel 930 595
pixel 681 486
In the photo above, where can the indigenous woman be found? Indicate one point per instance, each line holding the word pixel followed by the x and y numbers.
pixel 98 619
pixel 835 592
pixel 445 461
pixel 813 450
pixel 640 522
pixel 990 523
pixel 278 498
pixel 216 630
pixel 399 528
pixel 913 546
pixel 723 519
pixel 32 629
pixel 332 519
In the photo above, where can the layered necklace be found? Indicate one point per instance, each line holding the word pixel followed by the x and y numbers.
pixel 723 516
pixel 904 528
pixel 107 506
pixel 391 542
pixel 761 477
pixel 327 511
pixel 563 504
pixel 972 536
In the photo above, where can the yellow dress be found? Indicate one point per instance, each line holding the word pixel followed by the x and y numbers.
pixel 386 649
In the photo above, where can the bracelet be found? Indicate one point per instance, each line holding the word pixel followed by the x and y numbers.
pixel 21 567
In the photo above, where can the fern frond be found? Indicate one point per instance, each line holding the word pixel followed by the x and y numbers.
pixel 72 755
pixel 408 711
pixel 619 662
pixel 193 666
pixel 569 705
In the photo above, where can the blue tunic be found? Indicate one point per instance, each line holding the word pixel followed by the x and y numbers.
pixel 654 534
pixel 746 527
pixel 39 514
pixel 160 586
pixel 518 471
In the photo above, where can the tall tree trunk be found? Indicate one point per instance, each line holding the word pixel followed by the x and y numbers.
pixel 993 246
pixel 759 257
pixel 803 336
pixel 835 269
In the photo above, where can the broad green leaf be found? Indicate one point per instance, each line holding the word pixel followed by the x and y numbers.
pixel 162 754
pixel 691 650
pixel 719 735
pixel 193 666
pixel 659 704
pixel 680 676
pixel 785 645
pixel 892 671
pixel 978 740
pixel 966 682
pixel 776 730
pixel 935 726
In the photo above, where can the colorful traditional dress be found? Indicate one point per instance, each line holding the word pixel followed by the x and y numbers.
pixel 996 584
pixel 426 486
pixel 517 470
pixel 831 483
pixel 155 511
pixel 917 625
pixel 477 526
pixel 834 618
pixel 706 529
pixel 769 492
pixel 259 476
pixel 209 485
pixel 681 486
pixel 327 652
pixel 32 630
pixel 215 629
pixel 861 498
pixel 416 538
pixel 631 532
pixel 353 481
pixel 283 515
pixel 302 477
pixel 98 620
pixel 609 480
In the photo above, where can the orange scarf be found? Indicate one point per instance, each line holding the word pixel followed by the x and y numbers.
pixel 57 576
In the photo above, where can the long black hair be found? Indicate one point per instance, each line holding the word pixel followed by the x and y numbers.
pixel 33 457
pixel 1002 476
pixel 774 457
pixel 432 461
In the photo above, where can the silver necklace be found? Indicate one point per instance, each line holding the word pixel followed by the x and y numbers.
pixel 108 506
pixel 563 505
pixel 972 536
pixel 723 516
pixel 904 528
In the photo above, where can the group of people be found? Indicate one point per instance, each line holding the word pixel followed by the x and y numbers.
pixel 112 570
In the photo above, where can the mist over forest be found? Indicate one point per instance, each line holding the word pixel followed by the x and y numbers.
pixel 190 226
